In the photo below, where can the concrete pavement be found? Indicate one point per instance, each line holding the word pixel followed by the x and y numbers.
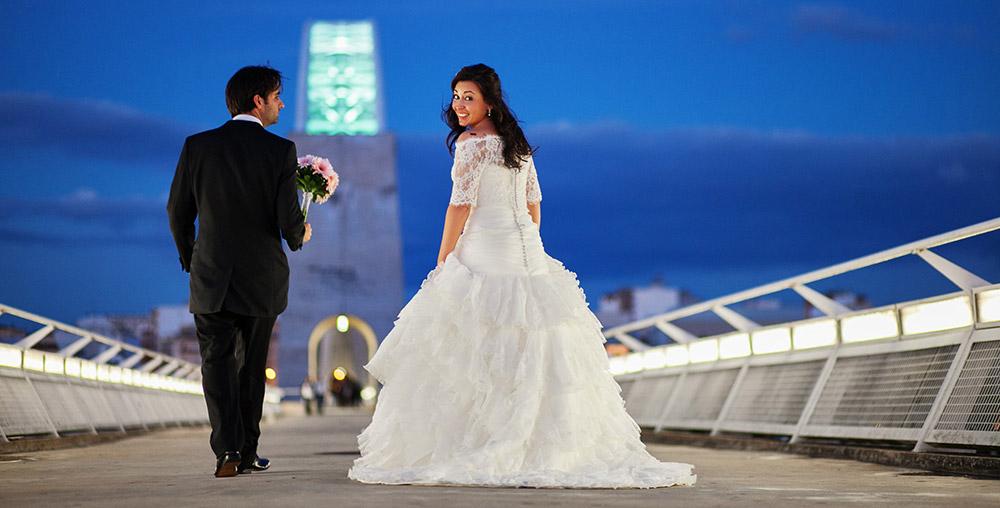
pixel 311 457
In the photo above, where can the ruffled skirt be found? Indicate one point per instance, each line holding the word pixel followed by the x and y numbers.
pixel 501 379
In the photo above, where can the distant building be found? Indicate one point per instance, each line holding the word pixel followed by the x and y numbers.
pixel 135 329
pixel 10 334
pixel 632 303
pixel 170 320
pixel 175 332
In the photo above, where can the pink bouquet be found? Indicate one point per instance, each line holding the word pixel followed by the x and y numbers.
pixel 316 179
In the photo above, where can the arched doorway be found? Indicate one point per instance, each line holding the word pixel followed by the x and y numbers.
pixel 343 324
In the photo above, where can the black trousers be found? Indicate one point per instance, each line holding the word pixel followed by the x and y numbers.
pixel 233 359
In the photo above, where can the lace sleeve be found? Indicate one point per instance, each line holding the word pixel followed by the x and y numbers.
pixel 470 157
pixel 534 191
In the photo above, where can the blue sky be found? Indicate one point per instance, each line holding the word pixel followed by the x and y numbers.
pixel 719 144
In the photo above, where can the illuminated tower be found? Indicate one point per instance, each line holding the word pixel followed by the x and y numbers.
pixel 353 265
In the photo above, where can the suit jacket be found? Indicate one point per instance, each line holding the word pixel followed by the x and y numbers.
pixel 239 182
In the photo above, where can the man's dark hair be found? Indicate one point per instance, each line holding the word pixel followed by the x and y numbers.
pixel 246 83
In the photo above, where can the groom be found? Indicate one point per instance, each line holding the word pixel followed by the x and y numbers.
pixel 239 182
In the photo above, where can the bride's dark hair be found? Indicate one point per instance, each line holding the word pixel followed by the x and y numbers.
pixel 515 146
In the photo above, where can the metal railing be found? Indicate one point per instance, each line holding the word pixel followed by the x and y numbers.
pixel 121 387
pixel 925 371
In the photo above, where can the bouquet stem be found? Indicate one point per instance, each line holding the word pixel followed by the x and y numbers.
pixel 307 198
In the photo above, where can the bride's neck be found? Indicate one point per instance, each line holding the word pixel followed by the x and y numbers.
pixel 483 127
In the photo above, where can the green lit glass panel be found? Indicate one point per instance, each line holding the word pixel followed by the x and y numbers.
pixel 341 86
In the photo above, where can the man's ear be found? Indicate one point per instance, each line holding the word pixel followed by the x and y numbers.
pixel 258 101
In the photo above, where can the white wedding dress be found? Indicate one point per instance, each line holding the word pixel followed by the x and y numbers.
pixel 495 373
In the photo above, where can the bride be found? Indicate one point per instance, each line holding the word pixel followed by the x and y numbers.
pixel 495 372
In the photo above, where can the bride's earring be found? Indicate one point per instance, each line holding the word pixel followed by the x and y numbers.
pixel 489 112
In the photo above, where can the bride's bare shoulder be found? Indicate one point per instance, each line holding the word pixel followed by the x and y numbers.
pixel 465 136
pixel 469 135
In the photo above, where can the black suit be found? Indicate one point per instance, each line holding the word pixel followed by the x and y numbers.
pixel 239 182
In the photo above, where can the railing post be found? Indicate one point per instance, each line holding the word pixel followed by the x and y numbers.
pixel 35 337
pixel 102 390
pixel 152 364
pixel 950 379
pixel 731 397
pixel 41 403
pixel 670 400
pixel 958 276
pixel 132 360
pixel 108 354
pixel 735 319
pixel 631 342
pixel 820 301
pixel 76 346
pixel 824 376
pixel 90 421
pixel 678 334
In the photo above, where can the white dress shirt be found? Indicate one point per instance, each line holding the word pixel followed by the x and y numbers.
pixel 248 118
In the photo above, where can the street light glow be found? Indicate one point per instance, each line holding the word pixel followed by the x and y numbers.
pixel 368 393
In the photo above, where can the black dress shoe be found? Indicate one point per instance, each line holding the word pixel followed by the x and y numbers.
pixel 227 465
pixel 257 464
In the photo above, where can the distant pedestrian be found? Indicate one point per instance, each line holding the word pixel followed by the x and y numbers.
pixel 308 396
pixel 320 393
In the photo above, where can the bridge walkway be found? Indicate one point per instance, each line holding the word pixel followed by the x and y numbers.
pixel 312 454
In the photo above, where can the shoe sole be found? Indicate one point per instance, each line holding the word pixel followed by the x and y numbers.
pixel 252 470
pixel 228 469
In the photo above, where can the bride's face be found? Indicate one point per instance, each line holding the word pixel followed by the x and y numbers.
pixel 467 102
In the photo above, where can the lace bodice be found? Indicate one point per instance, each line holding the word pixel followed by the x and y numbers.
pixel 480 178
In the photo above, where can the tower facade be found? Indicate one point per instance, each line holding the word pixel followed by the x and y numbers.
pixel 353 264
